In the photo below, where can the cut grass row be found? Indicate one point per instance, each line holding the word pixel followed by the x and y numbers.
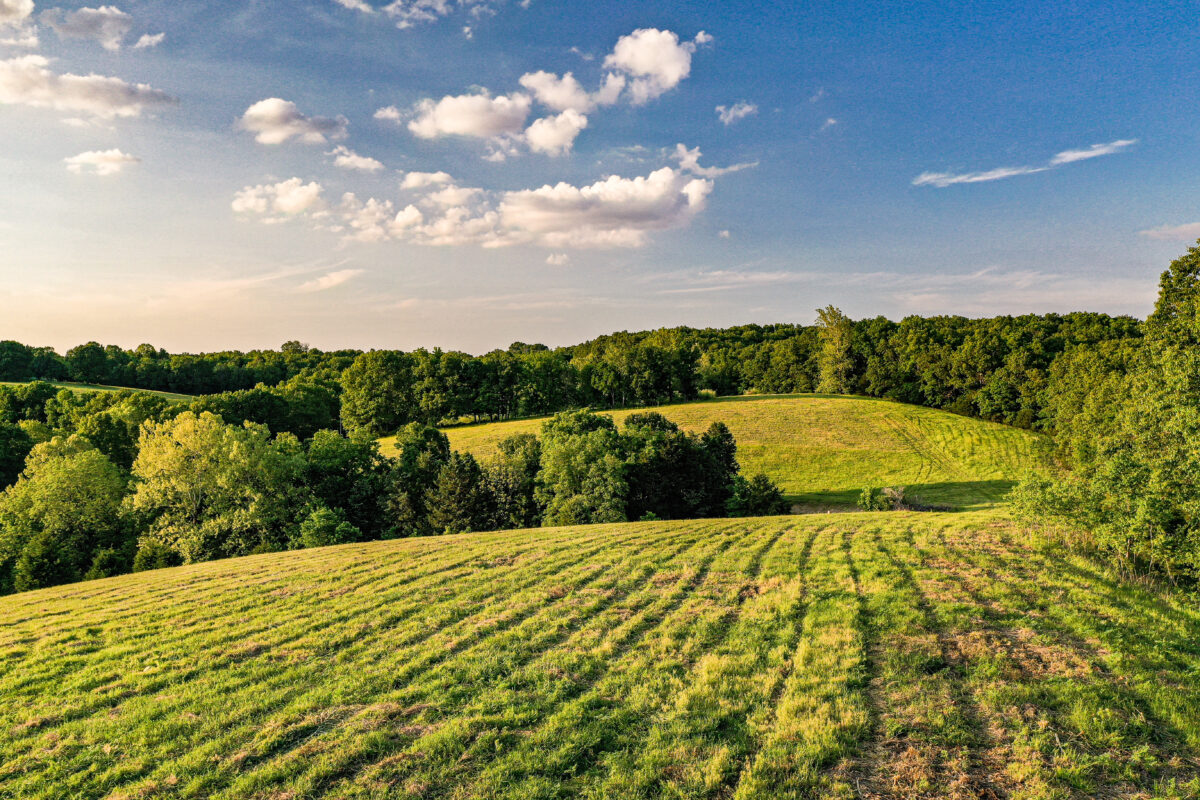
pixel 889 655
pixel 822 450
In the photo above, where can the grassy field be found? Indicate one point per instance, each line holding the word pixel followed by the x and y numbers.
pixel 96 387
pixel 886 655
pixel 822 450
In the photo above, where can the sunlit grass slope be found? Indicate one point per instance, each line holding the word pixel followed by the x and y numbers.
pixel 96 387
pixel 887 655
pixel 822 450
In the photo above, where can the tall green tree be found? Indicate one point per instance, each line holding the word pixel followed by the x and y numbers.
pixel 209 490
pixel 834 359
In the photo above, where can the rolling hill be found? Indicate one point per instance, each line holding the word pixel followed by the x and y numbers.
pixel 822 450
pixel 96 387
pixel 858 655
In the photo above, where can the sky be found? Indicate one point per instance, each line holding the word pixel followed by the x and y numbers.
pixel 469 173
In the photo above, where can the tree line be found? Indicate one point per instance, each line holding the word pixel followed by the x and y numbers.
pixel 1126 419
pixel 114 482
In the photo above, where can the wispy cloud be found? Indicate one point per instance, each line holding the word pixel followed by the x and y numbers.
pixel 1188 232
pixel 941 180
pixel 329 280
pixel 740 110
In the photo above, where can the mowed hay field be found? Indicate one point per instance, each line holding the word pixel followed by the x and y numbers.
pixel 887 655
pixel 96 387
pixel 823 450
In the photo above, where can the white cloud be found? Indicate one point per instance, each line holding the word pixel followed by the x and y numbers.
pixel 391 114
pixel 828 123
pixel 289 197
pixel 944 179
pixel 100 162
pixel 346 158
pixel 106 24
pixel 689 161
pixel 555 135
pixel 14 28
pixel 1188 232
pixel 1069 156
pixel 656 60
pixel 740 110
pixel 27 81
pixel 410 12
pixel 329 280
pixel 15 12
pixel 614 212
pixel 420 180
pixel 477 115
pixel 356 5
pixel 274 121
pixel 558 259
pixel 148 40
pixel 724 234
pixel 560 94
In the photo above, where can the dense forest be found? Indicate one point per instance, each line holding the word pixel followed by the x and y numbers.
pixel 277 449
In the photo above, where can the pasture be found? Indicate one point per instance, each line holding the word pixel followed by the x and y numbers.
pixel 855 655
pixel 96 387
pixel 822 450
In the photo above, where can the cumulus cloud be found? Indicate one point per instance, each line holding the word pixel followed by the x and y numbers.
pixel 740 110
pixel 274 121
pixel 288 197
pixel 15 30
pixel 391 114
pixel 149 40
pixel 655 60
pixel 106 24
pixel 15 12
pixel 356 5
pixel 614 212
pixel 475 115
pixel 1188 232
pixel 944 179
pixel 555 135
pixel 1092 151
pixel 329 280
pixel 560 94
pixel 100 162
pixel 26 80
pixel 689 161
pixel 420 180
pixel 346 158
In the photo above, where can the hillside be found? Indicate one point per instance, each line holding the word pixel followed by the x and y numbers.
pixel 95 387
pixel 887 655
pixel 822 450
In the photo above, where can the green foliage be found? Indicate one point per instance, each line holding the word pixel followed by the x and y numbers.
pixel 873 500
pixel 1128 442
pixel 155 555
pixel 512 478
pixel 582 479
pixel 324 527
pixel 212 490
pixel 15 444
pixel 459 501
pixel 65 507
pixel 349 475
pixel 834 363
pixel 755 497
pixel 420 453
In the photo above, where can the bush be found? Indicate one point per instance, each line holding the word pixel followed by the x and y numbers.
pixel 756 497
pixel 155 555
pixel 324 527
pixel 891 498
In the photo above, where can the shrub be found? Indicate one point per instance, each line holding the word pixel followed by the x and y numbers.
pixel 756 497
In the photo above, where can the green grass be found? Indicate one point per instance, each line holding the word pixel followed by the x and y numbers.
pixel 96 387
pixel 857 655
pixel 822 450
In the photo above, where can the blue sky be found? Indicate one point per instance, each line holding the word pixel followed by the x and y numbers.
pixel 356 174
